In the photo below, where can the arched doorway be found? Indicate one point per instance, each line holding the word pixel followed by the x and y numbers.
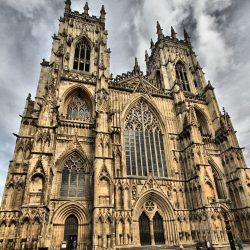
pixel 155 221
pixel 144 225
pixel 71 232
pixel 158 229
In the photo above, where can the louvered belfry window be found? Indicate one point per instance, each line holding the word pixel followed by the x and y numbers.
pixel 82 56
pixel 73 173
pixel 181 76
pixel 144 143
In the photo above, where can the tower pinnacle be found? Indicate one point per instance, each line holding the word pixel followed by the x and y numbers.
pixel 186 37
pixel 159 30
pixel 152 45
pixel 67 8
pixel 173 33
pixel 86 9
pixel 137 69
pixel 103 13
pixel 146 55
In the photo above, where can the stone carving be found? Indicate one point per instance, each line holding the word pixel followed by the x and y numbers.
pixel 102 100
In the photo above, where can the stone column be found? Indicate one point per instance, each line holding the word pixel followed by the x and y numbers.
pixel 165 232
pixel 152 233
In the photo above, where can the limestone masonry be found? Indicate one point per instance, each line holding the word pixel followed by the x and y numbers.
pixel 105 162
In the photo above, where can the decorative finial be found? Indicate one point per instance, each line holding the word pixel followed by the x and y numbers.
pixel 173 33
pixel 67 8
pixel 28 97
pixel 146 55
pixel 159 30
pixel 186 37
pixel 103 12
pixel 86 9
pixel 152 45
pixel 136 67
pixel 224 110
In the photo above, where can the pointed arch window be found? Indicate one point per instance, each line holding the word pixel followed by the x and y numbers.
pixel 218 184
pixel 144 143
pixel 78 109
pixel 82 56
pixel 144 226
pixel 159 80
pixel 181 76
pixel 202 123
pixel 158 229
pixel 73 174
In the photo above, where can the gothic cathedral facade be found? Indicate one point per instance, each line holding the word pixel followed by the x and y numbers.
pixel 105 162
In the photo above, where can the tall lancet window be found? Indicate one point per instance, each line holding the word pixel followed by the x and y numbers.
pixel 78 109
pixel 73 173
pixel 144 143
pixel 82 56
pixel 181 76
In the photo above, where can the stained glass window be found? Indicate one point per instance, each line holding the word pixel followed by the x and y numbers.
pixel 144 143
pixel 82 56
pixel 73 177
pixel 78 109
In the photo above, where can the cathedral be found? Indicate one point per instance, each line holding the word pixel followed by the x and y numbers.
pixel 139 161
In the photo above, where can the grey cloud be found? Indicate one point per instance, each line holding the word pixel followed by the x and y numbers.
pixel 220 36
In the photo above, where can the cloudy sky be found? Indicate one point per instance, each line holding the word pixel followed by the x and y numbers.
pixel 220 31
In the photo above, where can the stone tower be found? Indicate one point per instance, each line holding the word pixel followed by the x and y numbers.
pixel 135 160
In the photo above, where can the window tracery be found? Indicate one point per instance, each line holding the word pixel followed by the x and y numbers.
pixel 181 76
pixel 144 142
pixel 149 206
pixel 82 56
pixel 73 173
pixel 78 109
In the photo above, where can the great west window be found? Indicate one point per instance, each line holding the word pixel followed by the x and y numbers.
pixel 144 143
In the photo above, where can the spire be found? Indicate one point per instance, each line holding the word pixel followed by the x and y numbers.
pixel 103 13
pixel 159 30
pixel 86 9
pixel 173 33
pixel 136 67
pixel 67 8
pixel 146 55
pixel 186 37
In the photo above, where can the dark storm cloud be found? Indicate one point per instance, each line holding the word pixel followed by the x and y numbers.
pixel 220 36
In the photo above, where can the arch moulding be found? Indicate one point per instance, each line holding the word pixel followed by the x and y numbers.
pixel 71 91
pixel 67 209
pixel 162 202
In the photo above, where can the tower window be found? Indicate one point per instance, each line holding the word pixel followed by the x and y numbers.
pixel 181 76
pixel 82 56
pixel 73 177
pixel 144 143
pixel 158 79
